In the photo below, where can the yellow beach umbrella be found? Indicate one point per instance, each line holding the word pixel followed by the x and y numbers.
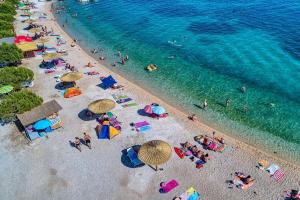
pixel 27 46
pixel 155 152
pixel 71 77
pixel 101 106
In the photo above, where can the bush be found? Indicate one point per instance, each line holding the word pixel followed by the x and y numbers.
pixel 18 103
pixel 15 76
pixel 10 54
pixel 7 12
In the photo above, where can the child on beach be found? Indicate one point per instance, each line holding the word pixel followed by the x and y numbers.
pixel 87 140
pixel 77 143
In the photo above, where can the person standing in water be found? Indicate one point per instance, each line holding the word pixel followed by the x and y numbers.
pixel 122 61
pixel 227 102
pixel 119 53
pixel 205 104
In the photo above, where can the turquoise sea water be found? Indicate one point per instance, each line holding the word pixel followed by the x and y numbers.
pixel 207 49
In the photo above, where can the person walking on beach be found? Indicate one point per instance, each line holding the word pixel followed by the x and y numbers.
pixel 87 140
pixel 205 104
pixel 77 143
pixel 227 102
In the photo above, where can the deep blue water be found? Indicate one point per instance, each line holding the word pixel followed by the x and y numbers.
pixel 216 46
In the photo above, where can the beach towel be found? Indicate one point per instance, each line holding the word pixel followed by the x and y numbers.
pixel 167 187
pixel 141 124
pixel 117 97
pixel 278 175
pixel 132 155
pixel 129 105
pixel 144 129
pixel 123 100
pixel 272 168
pixel 179 152
pixel 190 194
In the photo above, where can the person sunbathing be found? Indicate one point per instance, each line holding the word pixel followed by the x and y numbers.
pixel 205 157
pixel 89 65
pixel 116 86
pixel 187 145
pixel 199 154
pixel 194 150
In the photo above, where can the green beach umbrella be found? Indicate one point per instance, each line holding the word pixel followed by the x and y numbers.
pixel 21 4
pixel 6 89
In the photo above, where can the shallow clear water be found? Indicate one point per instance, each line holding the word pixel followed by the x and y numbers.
pixel 207 49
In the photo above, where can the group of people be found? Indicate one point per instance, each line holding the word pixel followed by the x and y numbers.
pixel 196 152
pixel 123 59
pixel 70 67
pixel 86 141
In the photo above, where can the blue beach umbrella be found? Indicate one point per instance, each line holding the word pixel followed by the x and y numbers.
pixel 158 110
pixel 42 124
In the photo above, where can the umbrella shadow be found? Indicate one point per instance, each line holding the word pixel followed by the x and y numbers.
pixel 83 116
pixel 101 86
pixel 63 86
pixel 126 161
pixel 142 112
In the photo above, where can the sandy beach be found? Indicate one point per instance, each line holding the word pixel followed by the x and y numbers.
pixel 49 168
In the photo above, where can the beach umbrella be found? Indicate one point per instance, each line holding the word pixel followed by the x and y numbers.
pixel 148 109
pixel 101 106
pixel 29 21
pixel 35 30
pixel 42 124
pixel 155 152
pixel 51 56
pixel 6 89
pixel 71 77
pixel 158 110
pixel 42 40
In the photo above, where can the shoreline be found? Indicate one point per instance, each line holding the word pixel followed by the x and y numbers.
pixel 51 168
pixel 182 117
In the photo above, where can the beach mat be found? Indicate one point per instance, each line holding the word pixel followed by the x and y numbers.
pixel 129 105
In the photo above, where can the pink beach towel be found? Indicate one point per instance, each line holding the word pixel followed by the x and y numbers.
pixel 141 124
pixel 167 187
pixel 278 175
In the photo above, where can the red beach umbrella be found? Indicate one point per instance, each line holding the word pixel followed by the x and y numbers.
pixel 148 109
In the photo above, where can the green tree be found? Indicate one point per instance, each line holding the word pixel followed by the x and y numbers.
pixel 10 54
pixel 18 103
pixel 15 76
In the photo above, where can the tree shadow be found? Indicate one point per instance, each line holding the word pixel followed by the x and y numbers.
pixel 126 161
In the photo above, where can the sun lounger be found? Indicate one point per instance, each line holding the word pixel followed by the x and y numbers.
pixel 190 194
pixel 132 155
pixel 167 187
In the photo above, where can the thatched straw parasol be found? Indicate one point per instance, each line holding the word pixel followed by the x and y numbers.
pixel 42 40
pixel 35 30
pixel 71 77
pixel 155 152
pixel 101 106
pixel 51 56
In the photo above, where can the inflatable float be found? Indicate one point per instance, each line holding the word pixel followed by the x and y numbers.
pixel 151 67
